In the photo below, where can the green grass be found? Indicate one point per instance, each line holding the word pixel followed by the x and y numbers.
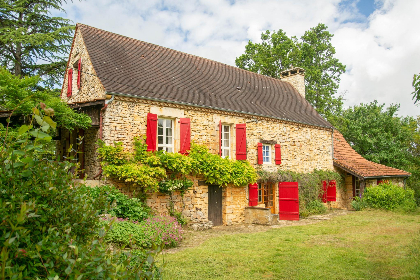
pixel 361 245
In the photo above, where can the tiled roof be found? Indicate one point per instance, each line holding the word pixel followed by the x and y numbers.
pixel 348 159
pixel 135 68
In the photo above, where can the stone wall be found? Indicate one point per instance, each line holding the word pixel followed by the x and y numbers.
pixel 91 87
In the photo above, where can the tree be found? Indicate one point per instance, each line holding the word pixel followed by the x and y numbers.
pixel 416 86
pixel 32 42
pixel 378 134
pixel 23 94
pixel 314 53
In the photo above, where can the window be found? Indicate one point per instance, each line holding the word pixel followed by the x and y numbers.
pixel 165 135
pixel 266 154
pixel 356 191
pixel 226 141
pixel 266 195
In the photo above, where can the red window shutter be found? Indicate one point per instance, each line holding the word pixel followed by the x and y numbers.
pixel 185 136
pixel 332 191
pixel 241 141
pixel 253 194
pixel 151 132
pixel 278 153
pixel 79 73
pixel 379 181
pixel 260 153
pixel 69 82
pixel 220 138
pixel 323 194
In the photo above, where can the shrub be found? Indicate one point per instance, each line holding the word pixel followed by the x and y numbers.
pixel 121 205
pixel 389 197
pixel 359 204
pixel 314 207
pixel 165 229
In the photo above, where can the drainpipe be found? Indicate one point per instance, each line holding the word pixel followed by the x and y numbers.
pixel 332 143
pixel 101 128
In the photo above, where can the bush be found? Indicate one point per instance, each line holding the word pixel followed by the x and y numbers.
pixel 390 197
pixel 159 230
pixel 359 204
pixel 121 205
pixel 314 207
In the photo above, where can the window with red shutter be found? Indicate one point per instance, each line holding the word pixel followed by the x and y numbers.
pixel 277 154
pixel 253 194
pixel 241 141
pixel 379 181
pixel 220 138
pixel 332 191
pixel 151 131
pixel 79 73
pixel 185 136
pixel 260 153
pixel 69 82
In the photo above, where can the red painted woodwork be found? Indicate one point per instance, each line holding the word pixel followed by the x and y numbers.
pixel 277 150
pixel 260 153
pixel 151 131
pixel 288 201
pixel 220 138
pixel 323 194
pixel 241 141
pixel 379 181
pixel 332 191
pixel 253 194
pixel 69 82
pixel 79 73
pixel 185 136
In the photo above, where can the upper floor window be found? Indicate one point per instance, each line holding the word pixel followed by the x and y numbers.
pixel 266 154
pixel 226 141
pixel 165 135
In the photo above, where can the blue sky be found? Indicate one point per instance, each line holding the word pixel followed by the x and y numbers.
pixel 378 40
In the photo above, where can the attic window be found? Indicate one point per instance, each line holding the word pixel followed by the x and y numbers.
pixel 78 65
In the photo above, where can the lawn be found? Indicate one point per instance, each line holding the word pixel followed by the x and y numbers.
pixel 360 245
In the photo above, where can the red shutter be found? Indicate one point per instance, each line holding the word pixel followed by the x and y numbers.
pixel 278 153
pixel 379 181
pixel 151 132
pixel 220 138
pixel 79 73
pixel 253 194
pixel 185 136
pixel 332 191
pixel 288 201
pixel 241 141
pixel 323 194
pixel 69 82
pixel 260 153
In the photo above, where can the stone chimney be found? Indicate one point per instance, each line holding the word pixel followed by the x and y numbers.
pixel 296 77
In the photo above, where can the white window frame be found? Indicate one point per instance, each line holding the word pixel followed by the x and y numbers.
pixel 266 154
pixel 167 146
pixel 226 137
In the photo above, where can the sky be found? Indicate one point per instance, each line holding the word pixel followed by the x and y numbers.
pixel 377 40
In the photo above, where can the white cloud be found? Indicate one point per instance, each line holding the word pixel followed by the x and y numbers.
pixel 381 51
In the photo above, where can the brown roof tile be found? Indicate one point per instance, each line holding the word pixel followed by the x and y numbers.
pixel 135 68
pixel 347 158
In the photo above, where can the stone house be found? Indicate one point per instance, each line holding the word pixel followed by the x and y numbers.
pixel 132 88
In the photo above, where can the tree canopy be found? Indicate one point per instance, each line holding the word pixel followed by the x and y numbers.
pixel 416 86
pixel 32 42
pixel 23 94
pixel 313 52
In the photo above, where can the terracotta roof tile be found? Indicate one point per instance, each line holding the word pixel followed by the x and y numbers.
pixel 135 68
pixel 346 157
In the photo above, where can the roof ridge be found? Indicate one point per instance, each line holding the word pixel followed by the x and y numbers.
pixel 186 54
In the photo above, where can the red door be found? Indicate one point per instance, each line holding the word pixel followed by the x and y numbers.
pixel 288 201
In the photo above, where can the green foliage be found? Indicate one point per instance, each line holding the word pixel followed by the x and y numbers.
pixel 416 86
pixel 221 171
pixel 121 205
pixel 310 185
pixel 32 42
pixel 390 197
pixel 49 229
pixel 21 95
pixel 377 134
pixel 158 230
pixel 147 168
pixel 170 185
pixel 359 204
pixel 314 53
